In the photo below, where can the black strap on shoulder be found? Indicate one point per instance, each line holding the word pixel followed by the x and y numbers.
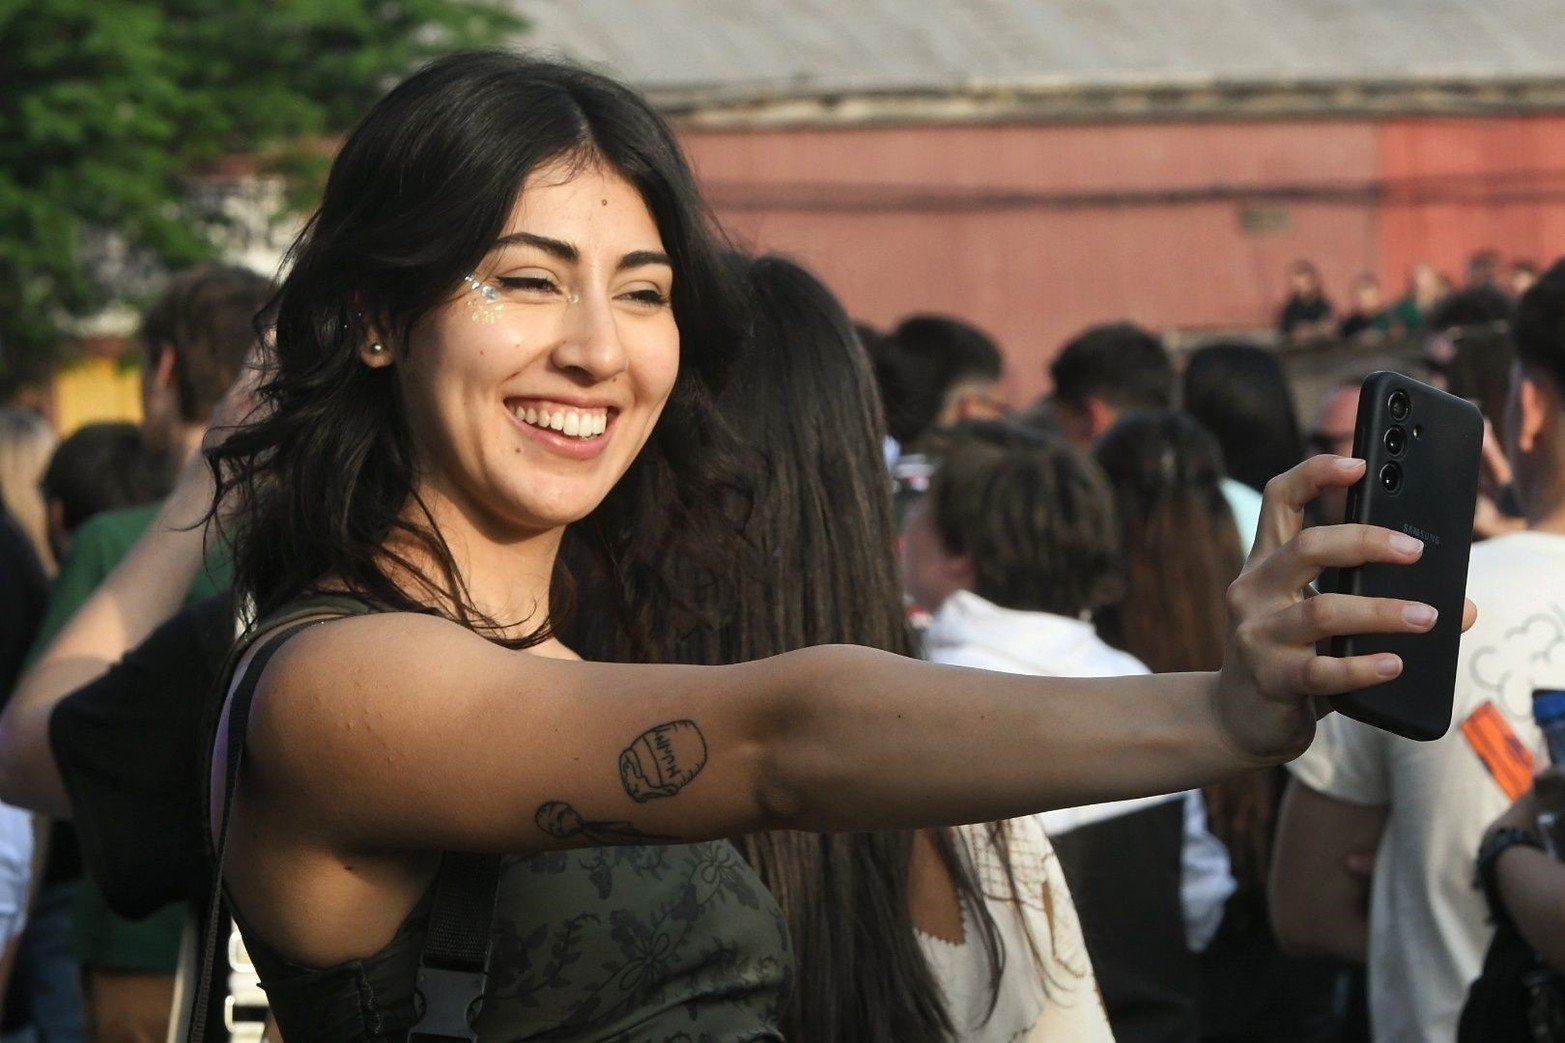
pixel 453 969
pixel 238 724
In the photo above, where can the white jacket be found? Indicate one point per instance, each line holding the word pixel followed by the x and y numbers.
pixel 970 631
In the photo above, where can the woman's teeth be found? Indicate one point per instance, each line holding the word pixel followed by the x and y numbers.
pixel 573 423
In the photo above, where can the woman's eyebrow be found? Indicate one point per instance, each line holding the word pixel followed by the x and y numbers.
pixel 568 253
pixel 554 247
pixel 641 258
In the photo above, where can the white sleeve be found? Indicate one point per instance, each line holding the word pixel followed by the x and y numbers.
pixel 1348 761
pixel 1207 879
pixel 16 869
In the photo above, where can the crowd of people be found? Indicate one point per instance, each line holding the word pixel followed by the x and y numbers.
pixel 534 610
pixel 1429 301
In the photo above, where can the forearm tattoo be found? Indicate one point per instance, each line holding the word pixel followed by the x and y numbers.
pixel 560 820
pixel 662 760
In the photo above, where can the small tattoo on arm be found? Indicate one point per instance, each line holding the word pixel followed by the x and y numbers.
pixel 563 822
pixel 662 760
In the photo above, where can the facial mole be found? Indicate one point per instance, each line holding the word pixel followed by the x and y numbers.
pixel 605 202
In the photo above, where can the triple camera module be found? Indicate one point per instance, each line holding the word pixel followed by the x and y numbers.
pixel 1399 406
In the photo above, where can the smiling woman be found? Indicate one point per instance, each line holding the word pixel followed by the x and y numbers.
pixel 509 250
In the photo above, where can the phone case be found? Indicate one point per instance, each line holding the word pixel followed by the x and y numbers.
pixel 1441 444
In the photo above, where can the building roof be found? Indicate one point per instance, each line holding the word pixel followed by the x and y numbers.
pixel 761 56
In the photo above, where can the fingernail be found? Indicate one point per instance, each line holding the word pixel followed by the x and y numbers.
pixel 1405 544
pixel 1388 666
pixel 1348 463
pixel 1420 615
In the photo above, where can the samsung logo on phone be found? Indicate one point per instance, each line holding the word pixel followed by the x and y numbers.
pixel 1423 534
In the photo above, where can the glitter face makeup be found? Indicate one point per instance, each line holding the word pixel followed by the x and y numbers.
pixel 483 301
pixel 484 304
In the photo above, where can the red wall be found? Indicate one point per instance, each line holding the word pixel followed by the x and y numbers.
pixel 1034 232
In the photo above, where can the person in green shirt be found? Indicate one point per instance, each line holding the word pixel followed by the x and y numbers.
pixel 195 338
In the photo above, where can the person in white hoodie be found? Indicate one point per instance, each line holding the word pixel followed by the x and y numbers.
pixel 1012 550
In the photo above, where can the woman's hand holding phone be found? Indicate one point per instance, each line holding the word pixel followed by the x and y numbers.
pixel 1273 677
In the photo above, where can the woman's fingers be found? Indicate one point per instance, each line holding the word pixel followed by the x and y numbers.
pixel 1322 675
pixel 1333 615
pixel 1307 553
pixel 1282 508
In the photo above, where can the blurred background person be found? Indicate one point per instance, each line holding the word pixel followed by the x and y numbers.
pixel 97 468
pixel 1520 277
pixel 935 371
pixel 1181 551
pixel 26 442
pixel 1116 368
pixel 1241 395
pixel 1421 808
pixel 1306 314
pixel 1367 318
pixel 953 934
pixel 1013 551
pixel 194 337
pixel 1425 290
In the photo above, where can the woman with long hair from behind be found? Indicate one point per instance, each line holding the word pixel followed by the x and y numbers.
pixel 1181 551
pixel 929 935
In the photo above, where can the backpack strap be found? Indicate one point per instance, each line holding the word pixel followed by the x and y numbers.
pixel 453 969
pixel 238 723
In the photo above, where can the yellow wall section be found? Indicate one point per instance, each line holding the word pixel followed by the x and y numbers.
pixel 94 389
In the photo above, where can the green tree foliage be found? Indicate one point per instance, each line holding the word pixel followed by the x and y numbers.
pixel 108 106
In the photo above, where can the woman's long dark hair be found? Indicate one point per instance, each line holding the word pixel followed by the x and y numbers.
pixel 1240 393
pixel 324 482
pixel 822 535
pixel 1181 551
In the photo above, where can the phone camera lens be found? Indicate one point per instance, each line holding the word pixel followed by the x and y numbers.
pixel 1400 405
pixel 1391 478
pixel 1396 441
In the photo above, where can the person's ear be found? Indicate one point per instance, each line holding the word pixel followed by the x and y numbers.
pixel 375 352
pixel 1100 414
pixel 163 368
pixel 1536 405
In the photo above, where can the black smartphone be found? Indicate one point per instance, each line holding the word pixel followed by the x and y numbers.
pixel 1423 448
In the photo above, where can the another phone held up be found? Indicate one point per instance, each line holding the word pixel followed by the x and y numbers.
pixel 1423 448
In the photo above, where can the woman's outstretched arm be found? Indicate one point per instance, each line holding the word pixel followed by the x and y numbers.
pixel 403 732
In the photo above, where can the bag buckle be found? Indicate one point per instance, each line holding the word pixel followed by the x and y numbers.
pixel 448 1002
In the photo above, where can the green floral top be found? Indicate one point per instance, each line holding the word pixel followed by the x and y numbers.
pixel 674 944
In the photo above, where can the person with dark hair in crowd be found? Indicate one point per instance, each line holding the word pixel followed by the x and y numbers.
pixel 1422 807
pixel 1181 551
pixel 489 344
pixel 1306 315
pixel 99 468
pixel 1367 319
pixel 1113 369
pixel 943 934
pixel 935 371
pixel 1240 394
pixel 193 339
pixel 1478 309
pixel 1013 550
